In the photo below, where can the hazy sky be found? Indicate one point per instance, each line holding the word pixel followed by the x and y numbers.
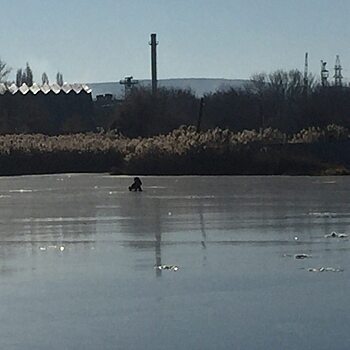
pixel 105 40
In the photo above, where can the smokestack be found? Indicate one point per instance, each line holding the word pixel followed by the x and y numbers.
pixel 154 44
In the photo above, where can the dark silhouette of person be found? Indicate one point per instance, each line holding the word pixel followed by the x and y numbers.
pixel 136 185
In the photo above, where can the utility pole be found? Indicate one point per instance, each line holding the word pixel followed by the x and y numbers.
pixel 306 74
pixel 337 72
pixel 154 44
pixel 324 74
pixel 128 83
pixel 200 114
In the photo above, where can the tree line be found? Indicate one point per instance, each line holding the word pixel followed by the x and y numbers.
pixel 25 75
pixel 285 100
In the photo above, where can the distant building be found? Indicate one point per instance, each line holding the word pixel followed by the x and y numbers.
pixel 106 101
pixel 48 109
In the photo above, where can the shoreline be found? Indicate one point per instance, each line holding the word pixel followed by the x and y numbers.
pixel 182 152
pixel 246 162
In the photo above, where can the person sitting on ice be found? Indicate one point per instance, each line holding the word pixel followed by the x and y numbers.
pixel 136 186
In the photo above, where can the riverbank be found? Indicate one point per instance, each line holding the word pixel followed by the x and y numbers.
pixel 181 152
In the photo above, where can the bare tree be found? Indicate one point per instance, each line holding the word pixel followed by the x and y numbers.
pixel 29 75
pixel 59 79
pixel 44 79
pixel 24 76
pixel 19 77
pixel 4 71
pixel 283 83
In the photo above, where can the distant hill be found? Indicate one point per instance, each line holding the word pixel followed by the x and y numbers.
pixel 199 86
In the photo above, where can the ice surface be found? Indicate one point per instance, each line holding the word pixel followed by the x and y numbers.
pixel 79 267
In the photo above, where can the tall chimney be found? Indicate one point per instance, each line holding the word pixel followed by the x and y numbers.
pixel 154 44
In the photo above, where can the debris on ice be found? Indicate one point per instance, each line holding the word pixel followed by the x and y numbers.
pixel 166 267
pixel 324 269
pixel 336 235
pixel 302 256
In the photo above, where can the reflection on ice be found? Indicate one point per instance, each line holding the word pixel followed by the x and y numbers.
pixel 71 219
pixel 156 187
pixel 107 206
pixel 20 191
pixel 325 182
pixel 322 215
pixel 186 197
pixel 54 247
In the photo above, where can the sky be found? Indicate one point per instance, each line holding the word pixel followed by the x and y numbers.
pixel 106 40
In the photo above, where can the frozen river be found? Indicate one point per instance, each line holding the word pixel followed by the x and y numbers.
pixel 78 256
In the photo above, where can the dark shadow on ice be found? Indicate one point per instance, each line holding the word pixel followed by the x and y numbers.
pixel 158 243
pixel 204 234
